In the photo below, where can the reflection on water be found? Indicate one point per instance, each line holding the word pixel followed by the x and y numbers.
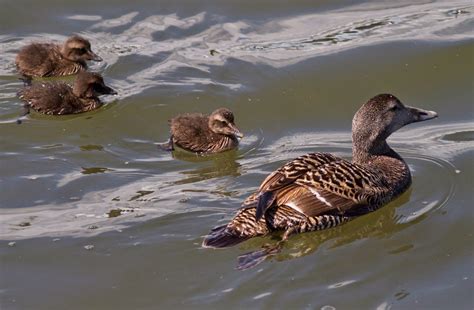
pixel 218 166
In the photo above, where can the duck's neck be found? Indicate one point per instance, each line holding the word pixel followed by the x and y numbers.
pixel 365 150
pixel 377 155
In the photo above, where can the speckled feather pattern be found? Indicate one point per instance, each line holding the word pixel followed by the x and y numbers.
pixel 313 192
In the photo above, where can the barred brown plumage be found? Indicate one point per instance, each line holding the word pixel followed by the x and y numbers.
pixel 319 191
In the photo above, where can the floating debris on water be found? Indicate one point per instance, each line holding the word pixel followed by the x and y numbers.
pixel 92 227
pixel 456 12
pixel 24 224
pixel 12 243
pixel 118 212
pixel 89 247
pixel 114 213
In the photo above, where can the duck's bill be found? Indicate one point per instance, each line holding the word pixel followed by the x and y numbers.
pixel 105 90
pixel 420 115
pixel 94 57
pixel 236 131
pixel 238 134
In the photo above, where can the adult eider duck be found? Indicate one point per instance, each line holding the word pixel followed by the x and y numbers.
pixel 48 59
pixel 204 134
pixel 58 98
pixel 319 190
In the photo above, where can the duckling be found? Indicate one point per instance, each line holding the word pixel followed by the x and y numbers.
pixel 58 98
pixel 204 134
pixel 48 59
pixel 318 190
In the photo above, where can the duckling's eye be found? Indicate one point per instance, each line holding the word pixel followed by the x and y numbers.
pixel 394 108
pixel 223 123
pixel 82 50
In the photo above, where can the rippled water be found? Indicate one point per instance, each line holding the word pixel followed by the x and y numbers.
pixel 94 215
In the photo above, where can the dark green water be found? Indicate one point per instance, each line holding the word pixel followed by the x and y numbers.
pixel 294 73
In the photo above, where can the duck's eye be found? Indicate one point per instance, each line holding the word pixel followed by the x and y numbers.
pixel 82 50
pixel 223 123
pixel 394 108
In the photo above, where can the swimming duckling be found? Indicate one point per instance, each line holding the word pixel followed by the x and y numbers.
pixel 204 134
pixel 57 98
pixel 48 59
pixel 318 190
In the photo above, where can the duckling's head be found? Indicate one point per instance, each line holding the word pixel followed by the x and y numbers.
pixel 382 115
pixel 221 121
pixel 91 85
pixel 78 49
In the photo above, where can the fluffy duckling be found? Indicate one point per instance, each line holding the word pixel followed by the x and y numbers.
pixel 58 98
pixel 318 190
pixel 204 134
pixel 48 59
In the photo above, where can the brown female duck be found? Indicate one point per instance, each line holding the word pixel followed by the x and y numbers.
pixel 318 190
pixel 204 134
pixel 48 59
pixel 60 98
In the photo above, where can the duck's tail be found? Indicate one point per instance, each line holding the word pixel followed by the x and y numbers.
pixel 242 227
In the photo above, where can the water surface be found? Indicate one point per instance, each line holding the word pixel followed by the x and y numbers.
pixel 294 74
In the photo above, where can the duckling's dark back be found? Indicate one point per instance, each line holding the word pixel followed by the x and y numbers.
pixel 35 59
pixel 191 132
pixel 44 59
pixel 52 98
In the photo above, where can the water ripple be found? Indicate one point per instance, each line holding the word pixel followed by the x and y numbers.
pixel 204 40
pixel 225 178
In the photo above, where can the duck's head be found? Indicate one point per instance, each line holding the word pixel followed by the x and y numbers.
pixel 78 49
pixel 379 117
pixel 221 121
pixel 91 85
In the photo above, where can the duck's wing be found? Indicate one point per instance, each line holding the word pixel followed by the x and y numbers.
pixel 341 188
pixel 284 176
pixel 335 187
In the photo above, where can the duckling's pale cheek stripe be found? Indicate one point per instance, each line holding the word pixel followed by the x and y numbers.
pixel 321 198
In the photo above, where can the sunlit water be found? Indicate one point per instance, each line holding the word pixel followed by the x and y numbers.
pixel 94 215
